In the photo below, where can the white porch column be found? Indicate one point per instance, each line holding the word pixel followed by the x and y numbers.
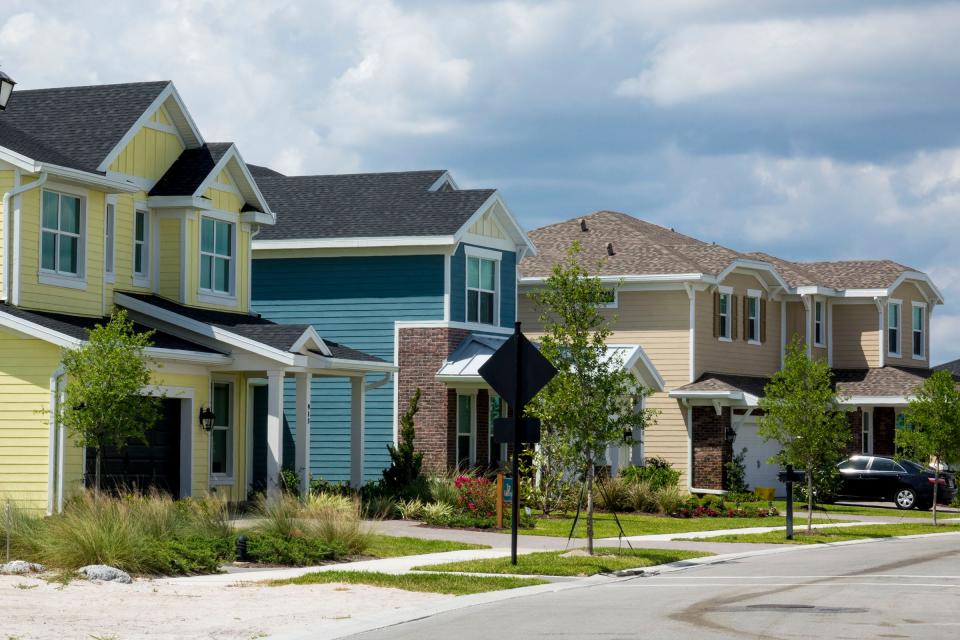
pixel 357 401
pixel 274 432
pixel 304 383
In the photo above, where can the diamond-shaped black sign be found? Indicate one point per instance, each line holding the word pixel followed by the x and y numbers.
pixel 500 370
pixel 503 430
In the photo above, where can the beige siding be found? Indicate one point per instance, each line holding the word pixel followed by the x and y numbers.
pixel 856 336
pixel 796 322
pixel 736 356
pixel 908 293
pixel 658 321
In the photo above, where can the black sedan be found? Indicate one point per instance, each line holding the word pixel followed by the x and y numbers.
pixel 907 484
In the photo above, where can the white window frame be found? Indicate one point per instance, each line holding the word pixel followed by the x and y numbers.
pixel 212 295
pixel 899 328
pixel 110 239
pixel 482 254
pixel 613 304
pixel 490 419
pixel 56 277
pixel 225 478
pixel 819 309
pixel 923 330
pixel 726 294
pixel 754 322
pixel 141 278
pixel 866 432
pixel 472 456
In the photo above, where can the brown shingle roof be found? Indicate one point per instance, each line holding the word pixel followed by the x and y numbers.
pixel 727 382
pixel 643 248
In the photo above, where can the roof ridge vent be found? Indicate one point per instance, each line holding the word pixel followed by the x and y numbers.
pixel 610 250
pixel 583 224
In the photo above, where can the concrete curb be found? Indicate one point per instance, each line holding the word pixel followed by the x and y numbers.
pixel 402 616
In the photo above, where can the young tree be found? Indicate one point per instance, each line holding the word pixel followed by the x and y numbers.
pixel 934 419
pixel 800 411
pixel 104 404
pixel 592 401
pixel 401 476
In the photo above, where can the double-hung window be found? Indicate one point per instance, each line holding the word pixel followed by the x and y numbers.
pixel 481 290
pixel 216 256
pixel 818 323
pixel 725 305
pixel 61 234
pixel 919 331
pixel 753 319
pixel 221 436
pixel 109 239
pixel 866 442
pixel 893 329
pixel 141 244
pixel 466 445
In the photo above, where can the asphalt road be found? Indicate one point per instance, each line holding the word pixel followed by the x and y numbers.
pixel 887 589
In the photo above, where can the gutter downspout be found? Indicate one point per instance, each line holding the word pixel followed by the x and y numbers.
pixel 7 199
pixel 376 384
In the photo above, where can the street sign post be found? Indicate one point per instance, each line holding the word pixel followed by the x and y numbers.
pixel 516 372
pixel 788 477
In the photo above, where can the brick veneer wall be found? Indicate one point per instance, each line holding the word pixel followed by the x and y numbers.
pixel 710 447
pixel 420 354
pixel 483 429
pixel 884 431
pixel 855 419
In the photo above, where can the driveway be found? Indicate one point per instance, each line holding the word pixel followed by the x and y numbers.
pixel 907 588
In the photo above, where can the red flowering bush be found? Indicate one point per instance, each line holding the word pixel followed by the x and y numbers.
pixel 476 496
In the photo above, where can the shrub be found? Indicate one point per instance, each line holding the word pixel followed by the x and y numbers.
pixel 437 513
pixel 826 486
pixel 670 499
pixel 476 496
pixel 380 507
pixel 24 532
pixel 657 471
pixel 269 548
pixel 712 502
pixel 642 497
pixel 290 481
pixel 402 478
pixel 737 473
pixel 612 494
pixel 410 509
pixel 319 485
pixel 442 489
pixel 150 534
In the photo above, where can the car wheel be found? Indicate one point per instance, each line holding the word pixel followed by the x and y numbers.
pixel 906 498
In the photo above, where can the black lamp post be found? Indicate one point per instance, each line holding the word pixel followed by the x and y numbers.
pixel 207 416
pixel 6 88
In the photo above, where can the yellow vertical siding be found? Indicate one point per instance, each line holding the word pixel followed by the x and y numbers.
pixel 169 277
pixel 28 364
pixel 856 336
pixel 148 155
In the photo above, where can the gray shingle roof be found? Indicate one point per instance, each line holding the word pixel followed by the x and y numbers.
pixel 251 326
pixel 257 171
pixel 83 124
pixel 79 326
pixel 642 248
pixel 190 170
pixel 365 205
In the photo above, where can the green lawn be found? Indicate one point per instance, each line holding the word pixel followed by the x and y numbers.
pixel 395 546
pixel 432 583
pixel 839 534
pixel 551 563
pixel 638 525
pixel 846 509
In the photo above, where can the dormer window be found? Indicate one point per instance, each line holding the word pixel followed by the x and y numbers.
pixel 481 289
pixel 61 235
pixel 216 256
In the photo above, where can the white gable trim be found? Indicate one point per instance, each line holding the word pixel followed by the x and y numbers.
pixel 311 337
pixel 191 137
pixel 38 331
pixel 211 180
pixel 512 228
pixel 446 178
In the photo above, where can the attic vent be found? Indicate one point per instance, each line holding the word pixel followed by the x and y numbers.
pixel 610 250
pixel 583 225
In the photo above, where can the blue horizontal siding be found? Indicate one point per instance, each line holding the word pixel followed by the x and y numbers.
pixel 508 286
pixel 354 301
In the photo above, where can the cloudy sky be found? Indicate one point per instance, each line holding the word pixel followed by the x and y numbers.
pixel 808 129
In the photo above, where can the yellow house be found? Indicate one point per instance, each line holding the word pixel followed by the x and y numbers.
pixel 112 198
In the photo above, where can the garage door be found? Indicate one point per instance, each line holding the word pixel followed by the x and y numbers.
pixel 759 472
pixel 144 467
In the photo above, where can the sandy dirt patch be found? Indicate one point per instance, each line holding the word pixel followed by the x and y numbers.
pixel 30 608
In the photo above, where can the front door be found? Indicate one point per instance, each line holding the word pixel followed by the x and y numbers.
pixel 142 467
pixel 760 472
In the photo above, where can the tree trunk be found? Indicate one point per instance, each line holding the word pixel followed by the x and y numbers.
pixel 590 508
pixel 96 474
pixel 936 483
pixel 809 501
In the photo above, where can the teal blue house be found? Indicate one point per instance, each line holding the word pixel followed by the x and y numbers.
pixel 406 267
